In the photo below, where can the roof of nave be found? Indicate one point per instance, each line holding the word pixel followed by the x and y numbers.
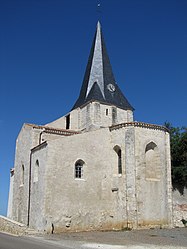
pixel 99 83
pixel 53 130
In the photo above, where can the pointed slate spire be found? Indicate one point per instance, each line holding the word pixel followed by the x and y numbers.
pixel 99 83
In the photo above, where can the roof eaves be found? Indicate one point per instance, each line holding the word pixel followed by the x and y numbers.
pixel 53 130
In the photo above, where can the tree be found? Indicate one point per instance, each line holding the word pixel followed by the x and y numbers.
pixel 178 141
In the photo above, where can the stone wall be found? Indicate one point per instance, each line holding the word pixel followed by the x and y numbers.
pixel 179 207
pixel 60 123
pixel 88 203
pixel 93 116
pixel 12 227
pixel 148 185
pixel 103 198
pixel 24 143
pixel 153 177
pixel 37 187
pixel 10 197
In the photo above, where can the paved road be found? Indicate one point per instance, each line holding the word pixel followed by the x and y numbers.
pixel 136 239
pixel 142 239
pixel 14 242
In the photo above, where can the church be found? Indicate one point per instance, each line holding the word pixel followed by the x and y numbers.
pixel 95 168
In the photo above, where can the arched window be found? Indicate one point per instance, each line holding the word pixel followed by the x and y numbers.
pixel 22 174
pixel 150 146
pixel 152 160
pixel 117 149
pixel 79 169
pixel 36 171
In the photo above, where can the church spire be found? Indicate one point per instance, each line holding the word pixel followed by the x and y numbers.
pixel 99 83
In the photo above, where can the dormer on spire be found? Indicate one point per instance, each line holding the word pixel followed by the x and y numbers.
pixel 99 83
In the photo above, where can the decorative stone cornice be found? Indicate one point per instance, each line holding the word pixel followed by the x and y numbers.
pixel 139 124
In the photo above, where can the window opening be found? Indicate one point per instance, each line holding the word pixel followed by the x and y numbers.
pixel 68 122
pixel 36 171
pixel 114 115
pixel 79 169
pixel 106 112
pixel 22 174
pixel 117 149
pixel 119 162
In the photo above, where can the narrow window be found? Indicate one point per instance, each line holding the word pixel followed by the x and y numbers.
pixel 36 171
pixel 97 114
pixel 79 169
pixel 114 115
pixel 117 149
pixel 106 112
pixel 22 174
pixel 119 162
pixel 68 122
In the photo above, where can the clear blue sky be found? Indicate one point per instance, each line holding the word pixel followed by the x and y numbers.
pixel 44 47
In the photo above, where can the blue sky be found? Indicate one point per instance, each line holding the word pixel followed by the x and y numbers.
pixel 44 47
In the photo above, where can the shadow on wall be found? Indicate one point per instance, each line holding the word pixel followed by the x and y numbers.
pixel 180 187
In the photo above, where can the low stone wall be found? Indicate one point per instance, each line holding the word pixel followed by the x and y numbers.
pixel 179 208
pixel 12 227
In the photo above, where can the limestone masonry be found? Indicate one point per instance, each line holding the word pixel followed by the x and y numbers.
pixel 94 168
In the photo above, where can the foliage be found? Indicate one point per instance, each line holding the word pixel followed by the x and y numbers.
pixel 178 140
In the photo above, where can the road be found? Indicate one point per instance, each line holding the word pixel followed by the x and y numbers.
pixel 142 239
pixel 14 242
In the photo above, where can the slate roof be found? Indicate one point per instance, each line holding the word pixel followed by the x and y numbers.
pixel 99 83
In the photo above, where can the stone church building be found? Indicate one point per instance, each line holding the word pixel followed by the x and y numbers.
pixel 94 168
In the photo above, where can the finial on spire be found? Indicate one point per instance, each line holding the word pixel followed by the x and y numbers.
pixel 98 6
pixel 99 9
